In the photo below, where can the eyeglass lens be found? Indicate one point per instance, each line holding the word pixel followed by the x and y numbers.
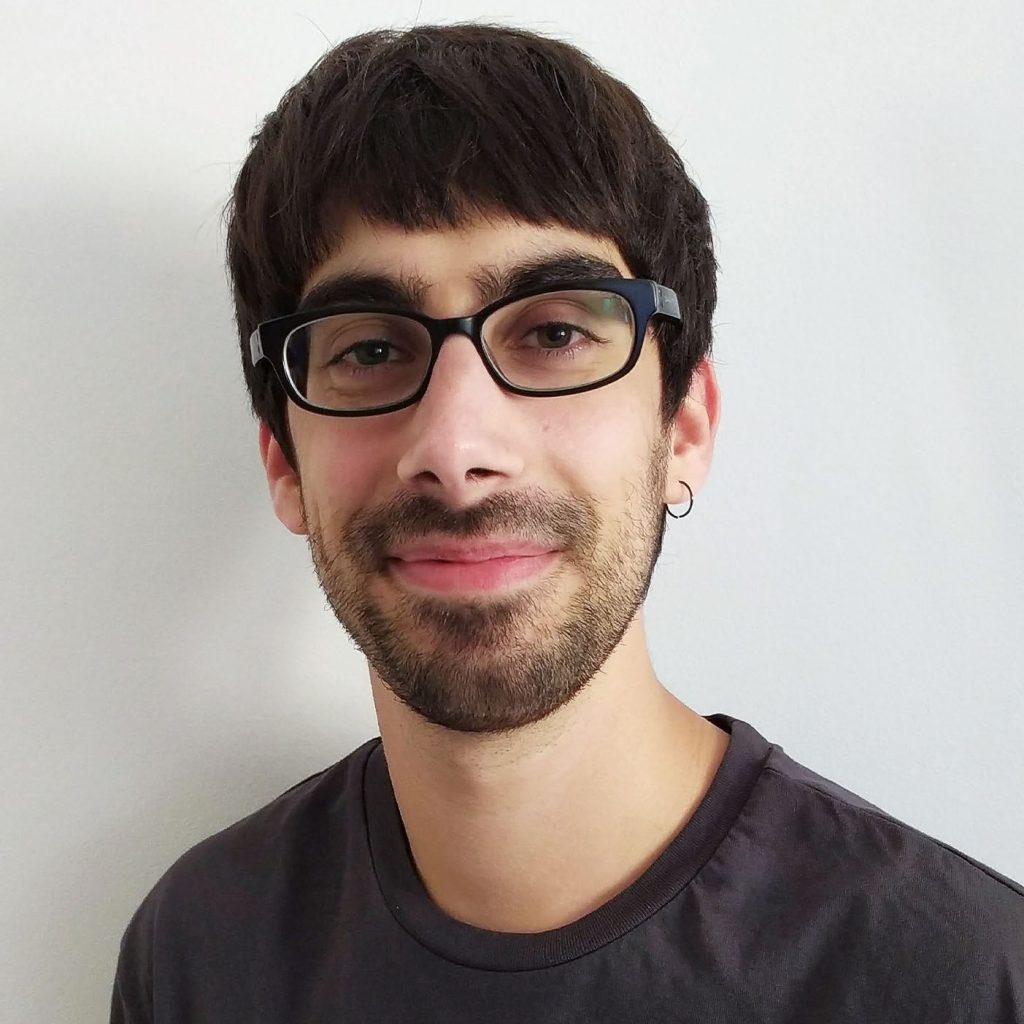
pixel 361 361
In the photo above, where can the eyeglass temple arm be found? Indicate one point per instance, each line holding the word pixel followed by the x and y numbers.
pixel 255 347
pixel 666 302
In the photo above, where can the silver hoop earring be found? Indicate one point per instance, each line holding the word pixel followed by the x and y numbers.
pixel 688 507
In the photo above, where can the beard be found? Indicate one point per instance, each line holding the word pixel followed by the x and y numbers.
pixel 495 664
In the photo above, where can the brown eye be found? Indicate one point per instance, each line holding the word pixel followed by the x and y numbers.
pixel 555 335
pixel 368 353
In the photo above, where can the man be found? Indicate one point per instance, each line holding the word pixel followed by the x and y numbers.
pixel 474 288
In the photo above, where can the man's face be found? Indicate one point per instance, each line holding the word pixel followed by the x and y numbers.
pixel 486 551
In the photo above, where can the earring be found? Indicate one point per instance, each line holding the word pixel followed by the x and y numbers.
pixel 688 507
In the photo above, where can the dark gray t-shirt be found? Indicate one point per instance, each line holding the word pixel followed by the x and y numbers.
pixel 784 898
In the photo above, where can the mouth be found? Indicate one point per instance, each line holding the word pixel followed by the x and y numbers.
pixel 472 566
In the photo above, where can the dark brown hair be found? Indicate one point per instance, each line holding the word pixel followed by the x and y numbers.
pixel 426 128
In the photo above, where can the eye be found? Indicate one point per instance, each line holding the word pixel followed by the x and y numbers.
pixel 372 352
pixel 556 334
pixel 362 341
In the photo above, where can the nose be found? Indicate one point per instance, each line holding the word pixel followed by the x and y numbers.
pixel 463 441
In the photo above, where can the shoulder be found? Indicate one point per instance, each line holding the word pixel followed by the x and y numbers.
pixel 259 845
pixel 216 908
pixel 938 923
pixel 234 870
pixel 854 914
pixel 880 841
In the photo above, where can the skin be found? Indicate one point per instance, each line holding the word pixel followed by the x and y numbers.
pixel 516 823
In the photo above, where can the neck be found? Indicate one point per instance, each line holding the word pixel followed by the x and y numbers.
pixel 531 831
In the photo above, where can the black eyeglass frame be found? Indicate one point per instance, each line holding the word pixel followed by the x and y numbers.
pixel 646 298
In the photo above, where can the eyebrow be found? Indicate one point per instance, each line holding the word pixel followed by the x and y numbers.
pixel 408 291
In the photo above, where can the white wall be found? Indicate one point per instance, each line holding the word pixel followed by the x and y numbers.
pixel 849 582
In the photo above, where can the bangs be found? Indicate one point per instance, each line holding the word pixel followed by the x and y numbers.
pixel 438 148
pixel 428 140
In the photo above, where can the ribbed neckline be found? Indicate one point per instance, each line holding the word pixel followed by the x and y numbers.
pixel 416 912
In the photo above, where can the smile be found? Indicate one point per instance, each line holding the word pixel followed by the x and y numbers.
pixel 471 574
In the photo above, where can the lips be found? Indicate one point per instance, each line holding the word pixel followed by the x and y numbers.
pixel 473 550
pixel 490 574
pixel 445 565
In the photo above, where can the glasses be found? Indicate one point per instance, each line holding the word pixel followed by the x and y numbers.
pixel 359 359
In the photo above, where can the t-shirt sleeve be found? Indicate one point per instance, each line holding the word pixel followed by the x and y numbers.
pixel 188 933
pixel 131 1001
pixel 125 1008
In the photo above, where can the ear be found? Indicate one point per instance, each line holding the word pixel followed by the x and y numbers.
pixel 692 434
pixel 283 482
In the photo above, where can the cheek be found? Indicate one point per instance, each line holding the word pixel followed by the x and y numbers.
pixel 603 444
pixel 339 469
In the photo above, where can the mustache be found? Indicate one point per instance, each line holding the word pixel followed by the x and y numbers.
pixel 535 515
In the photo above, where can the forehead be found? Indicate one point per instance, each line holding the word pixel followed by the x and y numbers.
pixel 469 265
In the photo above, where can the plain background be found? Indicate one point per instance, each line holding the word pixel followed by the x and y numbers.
pixel 849 581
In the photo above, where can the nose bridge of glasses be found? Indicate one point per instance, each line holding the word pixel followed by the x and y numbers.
pixel 443 328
